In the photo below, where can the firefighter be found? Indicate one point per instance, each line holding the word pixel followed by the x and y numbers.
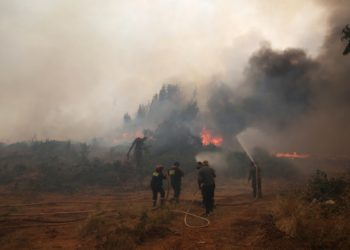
pixel 175 174
pixel 139 147
pixel 252 178
pixel 206 183
pixel 198 167
pixel 157 185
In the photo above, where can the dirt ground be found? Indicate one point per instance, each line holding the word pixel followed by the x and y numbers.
pixel 56 221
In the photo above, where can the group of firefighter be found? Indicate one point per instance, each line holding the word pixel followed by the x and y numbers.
pixel 206 183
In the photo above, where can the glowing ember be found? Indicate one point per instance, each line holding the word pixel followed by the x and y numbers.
pixel 208 138
pixel 294 155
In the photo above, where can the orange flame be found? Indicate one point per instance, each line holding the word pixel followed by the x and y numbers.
pixel 293 155
pixel 208 138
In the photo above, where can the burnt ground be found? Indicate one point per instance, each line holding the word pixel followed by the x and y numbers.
pixel 56 221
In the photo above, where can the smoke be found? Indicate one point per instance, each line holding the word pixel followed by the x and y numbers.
pixel 277 88
pixel 70 70
pixel 290 100
pixel 218 159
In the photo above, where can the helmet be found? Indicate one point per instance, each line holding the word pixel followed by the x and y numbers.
pixel 205 163
pixel 159 168
pixel 176 163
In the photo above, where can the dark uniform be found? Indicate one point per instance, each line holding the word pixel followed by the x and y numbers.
pixel 199 165
pixel 206 182
pixel 157 185
pixel 252 178
pixel 176 174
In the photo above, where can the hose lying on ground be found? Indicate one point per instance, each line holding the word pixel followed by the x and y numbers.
pixel 187 213
pixel 193 215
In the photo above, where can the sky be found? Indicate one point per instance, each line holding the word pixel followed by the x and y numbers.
pixel 71 69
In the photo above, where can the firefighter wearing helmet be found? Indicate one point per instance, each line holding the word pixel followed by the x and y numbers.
pixel 157 185
pixel 176 174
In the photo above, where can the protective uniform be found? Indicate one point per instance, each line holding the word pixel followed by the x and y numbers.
pixel 206 182
pixel 157 185
pixel 175 174
pixel 252 178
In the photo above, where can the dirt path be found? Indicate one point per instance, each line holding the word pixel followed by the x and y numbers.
pixel 55 221
pixel 238 222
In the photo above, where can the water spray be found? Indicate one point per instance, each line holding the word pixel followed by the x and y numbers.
pixel 257 168
pixel 246 151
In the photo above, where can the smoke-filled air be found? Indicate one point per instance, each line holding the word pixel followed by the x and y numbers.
pixel 136 106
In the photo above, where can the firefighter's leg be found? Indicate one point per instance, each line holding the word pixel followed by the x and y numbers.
pixel 154 198
pixel 254 188
pixel 177 191
pixel 203 195
pixel 162 196
pixel 211 197
pixel 173 188
pixel 206 197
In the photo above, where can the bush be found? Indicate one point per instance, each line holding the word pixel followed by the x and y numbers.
pixel 321 188
pixel 306 222
pixel 308 217
pixel 111 232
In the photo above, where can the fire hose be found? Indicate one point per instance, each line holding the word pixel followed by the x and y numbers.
pixel 187 212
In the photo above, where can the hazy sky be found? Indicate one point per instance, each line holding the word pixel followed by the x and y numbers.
pixel 70 69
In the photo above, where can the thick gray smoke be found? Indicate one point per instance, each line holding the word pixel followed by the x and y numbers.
pixel 70 69
pixel 276 90
pixel 298 102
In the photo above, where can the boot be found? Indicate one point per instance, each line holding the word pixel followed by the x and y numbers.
pixel 154 203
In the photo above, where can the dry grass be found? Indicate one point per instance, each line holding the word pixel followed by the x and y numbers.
pixel 307 222
pixel 126 230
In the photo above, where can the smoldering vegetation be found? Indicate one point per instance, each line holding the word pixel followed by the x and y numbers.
pixel 282 92
pixel 68 166
pixel 58 166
